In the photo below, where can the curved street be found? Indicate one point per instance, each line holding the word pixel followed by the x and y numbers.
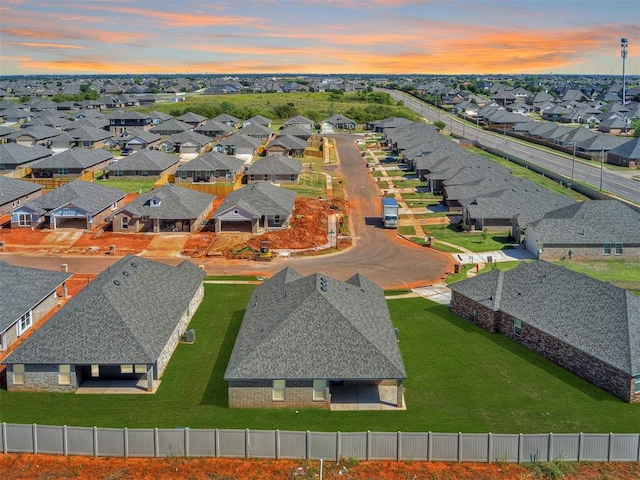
pixel 379 254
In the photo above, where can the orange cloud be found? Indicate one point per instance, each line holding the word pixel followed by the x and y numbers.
pixel 49 45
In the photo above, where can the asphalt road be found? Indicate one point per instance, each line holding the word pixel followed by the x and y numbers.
pixel 378 253
pixel 617 182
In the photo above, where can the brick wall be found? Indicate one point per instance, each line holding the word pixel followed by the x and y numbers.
pixel 172 342
pixel 41 378
pixel 464 307
pixel 259 394
pixel 586 252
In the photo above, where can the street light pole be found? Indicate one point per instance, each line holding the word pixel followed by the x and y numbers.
pixel 601 167
pixel 624 43
pixel 573 162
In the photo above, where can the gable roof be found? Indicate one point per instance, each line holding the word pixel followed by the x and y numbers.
pixel 211 161
pixel 629 150
pixel 77 158
pixel 590 222
pixel 593 316
pixel 275 165
pixel 173 202
pixel 12 188
pixel 91 197
pixel 16 154
pixel 99 325
pixel 146 160
pixel 261 198
pixel 22 288
pixel 316 327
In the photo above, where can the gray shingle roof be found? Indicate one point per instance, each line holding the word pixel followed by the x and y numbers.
pixel 76 158
pixel 12 188
pixel 593 316
pixel 174 203
pixel 629 150
pixel 118 318
pixel 275 165
pixel 296 328
pixel 23 288
pixel 16 154
pixel 262 198
pixel 153 160
pixel 590 222
pixel 91 197
pixel 211 161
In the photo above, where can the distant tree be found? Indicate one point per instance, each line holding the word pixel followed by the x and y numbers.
pixel 635 125
pixel 440 124
pixel 24 99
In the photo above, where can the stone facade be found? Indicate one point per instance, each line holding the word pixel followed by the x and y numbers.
pixel 41 378
pixel 259 394
pixel 576 361
pixel 552 253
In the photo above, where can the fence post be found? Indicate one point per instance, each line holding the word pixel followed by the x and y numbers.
pixel 580 446
pixel 429 446
pixel 95 441
pixel 65 441
pixel 34 438
pixel 519 448
pixel 338 446
pixel 156 441
pixel 368 449
pixel 125 441
pixel 489 447
pixel 609 447
pixel 307 450
pixel 459 447
pixel 5 448
pixel 399 446
pixel 550 448
pixel 277 444
pixel 186 441
pixel 216 442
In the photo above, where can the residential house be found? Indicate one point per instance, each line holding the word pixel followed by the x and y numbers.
pixel 40 135
pixel 169 208
pixel 227 120
pixel 171 127
pixel 121 328
pixel 188 142
pixel 72 163
pixel 300 121
pixel 256 130
pixel 258 120
pixel 145 163
pixel 625 155
pixel 303 340
pixel 210 167
pixel 15 192
pixel 589 327
pixel 591 230
pixel 255 208
pixel 298 131
pixel 240 145
pixel 13 155
pixel 336 122
pixel 26 295
pixel 121 121
pixel 214 129
pixel 192 119
pixel 137 139
pixel 90 137
pixel 287 145
pixel 276 169
pixel 614 126
pixel 78 204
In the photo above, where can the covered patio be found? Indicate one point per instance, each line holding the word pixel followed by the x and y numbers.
pixel 365 397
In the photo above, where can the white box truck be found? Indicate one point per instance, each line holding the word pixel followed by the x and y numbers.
pixel 389 213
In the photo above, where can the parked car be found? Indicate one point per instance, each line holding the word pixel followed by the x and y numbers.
pixel 126 151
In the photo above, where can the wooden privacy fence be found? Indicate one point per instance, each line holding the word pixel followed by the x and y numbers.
pixel 276 444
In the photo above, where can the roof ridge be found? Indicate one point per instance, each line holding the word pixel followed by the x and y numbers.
pixel 497 296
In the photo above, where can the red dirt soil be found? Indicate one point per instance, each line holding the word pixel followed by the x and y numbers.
pixel 25 466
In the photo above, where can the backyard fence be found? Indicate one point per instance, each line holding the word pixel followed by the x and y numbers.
pixel 277 444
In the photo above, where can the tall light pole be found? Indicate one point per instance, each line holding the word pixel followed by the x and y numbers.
pixel 624 43
pixel 573 161
pixel 601 167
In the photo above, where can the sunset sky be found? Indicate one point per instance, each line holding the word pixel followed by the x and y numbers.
pixel 318 36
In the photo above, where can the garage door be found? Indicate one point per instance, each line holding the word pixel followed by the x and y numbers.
pixel 244 227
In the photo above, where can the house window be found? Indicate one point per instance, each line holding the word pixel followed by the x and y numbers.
pixel 24 323
pixel 140 368
pixel 276 219
pixel 278 389
pixel 18 374
pixel 236 212
pixel 155 202
pixel 24 219
pixel 126 368
pixel 63 171
pixel 293 177
pixel 618 249
pixel 95 370
pixel 144 173
pixel 216 174
pixel 64 374
pixel 319 389
pixel 114 206
pixel 124 223
pixel 517 326
pixel 183 174
pixel 606 249
pixel 636 389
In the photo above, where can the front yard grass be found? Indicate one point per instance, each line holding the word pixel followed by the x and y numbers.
pixel 128 186
pixel 473 241
pixel 310 184
pixel 622 273
pixel 459 378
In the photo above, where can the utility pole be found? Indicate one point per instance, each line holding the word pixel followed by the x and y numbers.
pixel 601 167
pixel 624 43
pixel 573 161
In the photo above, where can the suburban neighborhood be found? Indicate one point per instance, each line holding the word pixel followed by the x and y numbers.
pixel 159 241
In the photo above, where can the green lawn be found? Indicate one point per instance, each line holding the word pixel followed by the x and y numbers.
pixel 129 186
pixel 407 230
pixel 311 184
pixel 474 241
pixel 460 378
pixel 622 273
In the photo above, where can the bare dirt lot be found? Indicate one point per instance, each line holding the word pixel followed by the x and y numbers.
pixel 26 466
